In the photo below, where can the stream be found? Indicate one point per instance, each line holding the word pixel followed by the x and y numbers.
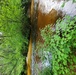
pixel 44 12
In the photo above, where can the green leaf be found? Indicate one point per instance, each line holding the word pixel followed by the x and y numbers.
pixel 74 59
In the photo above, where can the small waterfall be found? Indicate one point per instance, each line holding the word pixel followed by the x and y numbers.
pixel 34 32
pixel 47 12
pixel 68 8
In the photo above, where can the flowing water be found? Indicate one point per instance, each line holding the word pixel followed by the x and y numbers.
pixel 44 12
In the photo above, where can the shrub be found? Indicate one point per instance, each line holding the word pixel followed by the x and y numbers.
pixel 12 40
pixel 61 43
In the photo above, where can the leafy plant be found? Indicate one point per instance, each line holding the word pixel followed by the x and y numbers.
pixel 61 43
pixel 13 42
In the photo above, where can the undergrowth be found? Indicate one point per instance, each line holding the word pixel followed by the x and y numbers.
pixel 61 43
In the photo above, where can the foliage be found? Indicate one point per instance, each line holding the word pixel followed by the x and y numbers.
pixel 12 40
pixel 45 71
pixel 61 43
pixel 74 0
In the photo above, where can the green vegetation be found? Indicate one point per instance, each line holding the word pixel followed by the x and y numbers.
pixel 61 43
pixel 13 38
pixel 14 34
